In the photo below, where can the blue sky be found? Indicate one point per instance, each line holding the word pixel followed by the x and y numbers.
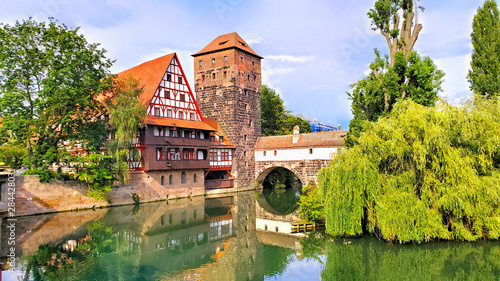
pixel 312 51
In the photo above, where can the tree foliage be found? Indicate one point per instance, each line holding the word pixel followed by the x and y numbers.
pixel 400 35
pixel 276 120
pixel 485 74
pixel 127 114
pixel 96 171
pixel 49 78
pixel 421 173
pixel 375 95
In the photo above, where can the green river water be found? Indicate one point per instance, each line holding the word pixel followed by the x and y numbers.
pixel 245 236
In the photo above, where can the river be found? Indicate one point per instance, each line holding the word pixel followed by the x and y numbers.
pixel 245 236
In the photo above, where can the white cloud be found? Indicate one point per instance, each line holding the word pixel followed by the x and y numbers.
pixel 455 85
pixel 288 58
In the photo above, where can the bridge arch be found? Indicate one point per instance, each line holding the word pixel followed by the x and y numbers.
pixel 262 173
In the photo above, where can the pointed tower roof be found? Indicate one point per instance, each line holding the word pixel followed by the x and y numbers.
pixel 227 41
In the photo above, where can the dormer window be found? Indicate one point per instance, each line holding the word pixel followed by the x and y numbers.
pixel 221 139
pixel 222 43
pixel 212 138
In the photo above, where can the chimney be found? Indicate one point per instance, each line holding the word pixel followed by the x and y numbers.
pixel 296 134
pixel 338 127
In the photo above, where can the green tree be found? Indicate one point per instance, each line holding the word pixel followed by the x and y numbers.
pixel 484 78
pixel 13 155
pixel 276 120
pixel 127 114
pixel 50 78
pixel 419 174
pixel 400 75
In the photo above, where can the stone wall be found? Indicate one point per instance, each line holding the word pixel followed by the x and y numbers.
pixel 233 99
pixel 33 197
pixel 305 170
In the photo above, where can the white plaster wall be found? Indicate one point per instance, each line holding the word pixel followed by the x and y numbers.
pixel 296 154
pixel 283 226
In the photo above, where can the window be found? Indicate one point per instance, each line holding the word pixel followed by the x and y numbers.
pixel 180 80
pixel 213 75
pixel 194 180
pixel 162 218
pixel 181 115
pixel 191 116
pixel 212 138
pixel 248 77
pixel 225 156
pixel 310 151
pixel 213 156
pixel 225 74
pixel 160 154
pixel 157 112
pixel 170 218
pixel 156 132
pixel 183 217
pixel 201 62
pixel 244 153
pixel 162 182
pixel 183 180
pixel 250 123
pixel 170 180
pixel 241 58
pixel 182 97
pixel 253 64
pixel 275 153
pixel 213 60
pixel 169 113
pixel 167 94
pixel 169 77
pixel 263 153
pixel 225 58
pixel 203 78
pixel 221 139
pixel 245 137
pixel 254 78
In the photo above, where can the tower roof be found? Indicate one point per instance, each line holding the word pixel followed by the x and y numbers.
pixel 227 41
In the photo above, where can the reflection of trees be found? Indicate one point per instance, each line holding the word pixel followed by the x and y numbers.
pixel 275 259
pixel 283 201
pixel 75 257
pixel 369 259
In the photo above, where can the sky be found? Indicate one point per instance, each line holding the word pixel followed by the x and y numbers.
pixel 313 51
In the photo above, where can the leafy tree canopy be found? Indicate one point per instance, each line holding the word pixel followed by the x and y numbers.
pixel 276 120
pixel 127 114
pixel 419 174
pixel 484 77
pixel 49 79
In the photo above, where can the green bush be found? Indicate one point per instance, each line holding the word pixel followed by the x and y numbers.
pixel 95 170
pixel 13 155
pixel 310 203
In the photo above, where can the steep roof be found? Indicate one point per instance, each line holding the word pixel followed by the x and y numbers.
pixel 149 75
pixel 181 123
pixel 321 139
pixel 219 133
pixel 227 41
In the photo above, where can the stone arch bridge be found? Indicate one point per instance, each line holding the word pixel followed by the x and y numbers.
pixel 303 154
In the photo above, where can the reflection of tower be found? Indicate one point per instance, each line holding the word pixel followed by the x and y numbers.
pixel 228 88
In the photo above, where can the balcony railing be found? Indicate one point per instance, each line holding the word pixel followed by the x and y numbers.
pixel 216 184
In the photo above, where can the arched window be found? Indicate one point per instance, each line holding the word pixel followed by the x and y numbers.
pixel 170 180
pixel 162 180
pixel 183 177
pixel 194 178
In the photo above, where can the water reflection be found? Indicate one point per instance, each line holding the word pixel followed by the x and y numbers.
pixel 228 238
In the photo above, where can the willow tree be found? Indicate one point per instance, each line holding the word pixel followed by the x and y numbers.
pixel 419 174
pixel 127 114
pixel 484 77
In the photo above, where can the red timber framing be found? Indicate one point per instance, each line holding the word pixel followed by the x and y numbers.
pixel 173 97
pixel 221 159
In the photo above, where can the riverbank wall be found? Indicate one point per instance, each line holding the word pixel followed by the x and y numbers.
pixel 33 197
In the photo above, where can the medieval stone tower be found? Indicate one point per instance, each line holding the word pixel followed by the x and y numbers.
pixel 228 87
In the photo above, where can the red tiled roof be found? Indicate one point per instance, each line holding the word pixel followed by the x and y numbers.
pixel 218 132
pixel 181 123
pixel 227 41
pixel 322 139
pixel 149 75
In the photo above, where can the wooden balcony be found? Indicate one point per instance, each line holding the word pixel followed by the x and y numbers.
pixel 216 184
pixel 178 164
